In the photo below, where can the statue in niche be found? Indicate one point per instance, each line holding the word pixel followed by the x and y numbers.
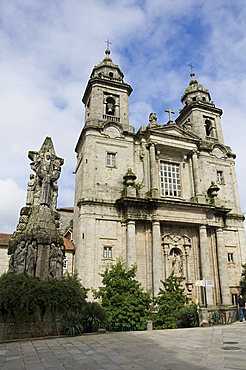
pixel 176 262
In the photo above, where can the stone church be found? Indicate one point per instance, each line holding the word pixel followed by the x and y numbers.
pixel 164 198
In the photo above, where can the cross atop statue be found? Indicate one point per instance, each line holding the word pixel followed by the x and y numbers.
pixel 108 43
pixel 170 112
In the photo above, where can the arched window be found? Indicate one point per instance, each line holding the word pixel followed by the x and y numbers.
pixel 209 128
pixel 110 106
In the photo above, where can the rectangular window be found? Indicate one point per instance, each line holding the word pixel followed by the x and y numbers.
pixel 107 252
pixel 220 177
pixel 170 179
pixel 65 262
pixel 111 159
pixel 230 257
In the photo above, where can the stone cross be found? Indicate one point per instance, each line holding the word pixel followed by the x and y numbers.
pixel 108 43
pixel 191 67
pixel 170 112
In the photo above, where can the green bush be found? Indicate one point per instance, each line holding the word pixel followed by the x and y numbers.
pixel 25 298
pixel 243 281
pixel 73 323
pixel 188 317
pixel 169 302
pixel 122 297
pixel 94 316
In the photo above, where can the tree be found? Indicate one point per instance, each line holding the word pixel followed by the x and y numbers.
pixel 243 281
pixel 169 302
pixel 123 298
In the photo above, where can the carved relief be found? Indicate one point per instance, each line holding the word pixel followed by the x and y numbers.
pixel 176 250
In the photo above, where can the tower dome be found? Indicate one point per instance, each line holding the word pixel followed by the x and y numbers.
pixel 107 69
pixel 195 92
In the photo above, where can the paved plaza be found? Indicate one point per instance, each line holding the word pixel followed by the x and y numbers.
pixel 218 347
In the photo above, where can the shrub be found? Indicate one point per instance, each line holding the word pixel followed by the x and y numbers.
pixel 188 317
pixel 73 323
pixel 94 316
pixel 123 298
pixel 169 302
pixel 25 298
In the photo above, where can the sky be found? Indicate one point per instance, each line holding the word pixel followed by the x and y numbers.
pixel 49 47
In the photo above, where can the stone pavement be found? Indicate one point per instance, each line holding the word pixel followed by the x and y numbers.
pixel 218 347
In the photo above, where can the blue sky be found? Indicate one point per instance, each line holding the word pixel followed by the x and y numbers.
pixel 49 47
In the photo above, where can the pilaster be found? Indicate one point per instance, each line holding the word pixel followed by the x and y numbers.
pixel 205 261
pixel 131 244
pixel 157 257
pixel 153 174
pixel 222 265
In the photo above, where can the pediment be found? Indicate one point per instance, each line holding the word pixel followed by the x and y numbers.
pixel 174 130
pixel 219 151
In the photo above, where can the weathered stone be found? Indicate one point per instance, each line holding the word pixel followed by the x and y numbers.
pixel 174 224
pixel 36 248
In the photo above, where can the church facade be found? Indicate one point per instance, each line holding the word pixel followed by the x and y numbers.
pixel 164 198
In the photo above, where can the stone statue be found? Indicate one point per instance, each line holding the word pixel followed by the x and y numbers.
pixel 30 191
pixel 56 261
pixel 177 263
pixel 48 168
pixel 20 258
pixel 31 258
pixel 36 248
pixel 153 118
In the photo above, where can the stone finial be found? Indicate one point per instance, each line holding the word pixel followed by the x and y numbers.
pixel 129 177
pixel 213 192
pixel 129 181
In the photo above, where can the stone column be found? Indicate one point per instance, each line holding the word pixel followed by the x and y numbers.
pixel 153 172
pixel 157 257
pixel 187 251
pixel 222 266
pixel 131 246
pixel 165 253
pixel 206 261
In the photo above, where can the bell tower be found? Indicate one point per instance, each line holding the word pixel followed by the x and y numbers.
pixel 106 95
pixel 199 113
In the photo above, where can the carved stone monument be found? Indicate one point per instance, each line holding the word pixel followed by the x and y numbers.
pixel 36 247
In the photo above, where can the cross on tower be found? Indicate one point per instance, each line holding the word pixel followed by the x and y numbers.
pixel 191 67
pixel 108 43
pixel 170 112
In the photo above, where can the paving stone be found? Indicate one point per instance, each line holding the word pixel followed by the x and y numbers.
pixel 177 349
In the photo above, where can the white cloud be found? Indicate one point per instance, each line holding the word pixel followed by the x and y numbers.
pixel 50 47
pixel 11 199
